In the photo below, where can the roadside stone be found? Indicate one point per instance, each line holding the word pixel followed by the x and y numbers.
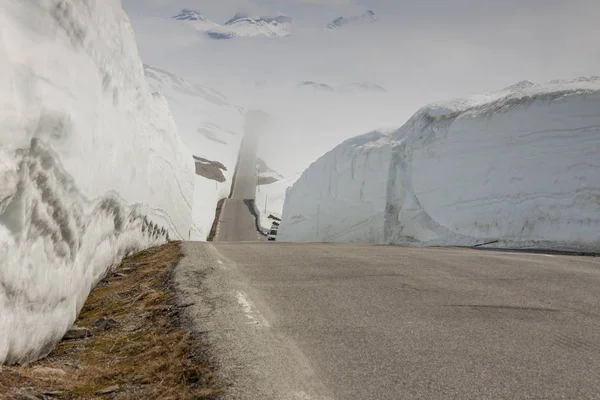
pixel 108 390
pixel 77 333
pixel 104 323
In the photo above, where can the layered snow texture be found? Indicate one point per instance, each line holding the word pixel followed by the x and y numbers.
pixel 521 166
pixel 212 128
pixel 241 25
pixel 91 167
pixel 341 197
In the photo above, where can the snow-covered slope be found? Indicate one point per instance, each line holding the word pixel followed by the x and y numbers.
pixel 211 127
pixel 266 175
pixel 520 166
pixel 91 166
pixel 241 25
pixel 270 199
pixel 366 18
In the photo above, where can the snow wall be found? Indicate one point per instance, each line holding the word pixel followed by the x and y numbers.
pixel 212 128
pixel 521 166
pixel 91 167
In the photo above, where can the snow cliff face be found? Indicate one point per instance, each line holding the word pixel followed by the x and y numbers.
pixel 91 167
pixel 212 128
pixel 366 18
pixel 341 197
pixel 241 25
pixel 520 166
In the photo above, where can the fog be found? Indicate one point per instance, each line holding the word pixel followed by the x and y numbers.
pixel 419 51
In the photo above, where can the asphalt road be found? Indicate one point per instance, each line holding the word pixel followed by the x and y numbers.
pixel 236 222
pixel 333 321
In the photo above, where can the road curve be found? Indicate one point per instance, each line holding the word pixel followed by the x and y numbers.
pixel 345 321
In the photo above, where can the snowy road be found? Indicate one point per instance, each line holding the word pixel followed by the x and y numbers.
pixel 236 222
pixel 344 321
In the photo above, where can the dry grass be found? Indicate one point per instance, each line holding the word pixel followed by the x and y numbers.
pixel 147 354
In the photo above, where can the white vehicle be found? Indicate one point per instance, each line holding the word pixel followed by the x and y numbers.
pixel 272 234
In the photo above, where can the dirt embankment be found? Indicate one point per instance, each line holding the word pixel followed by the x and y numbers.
pixel 131 343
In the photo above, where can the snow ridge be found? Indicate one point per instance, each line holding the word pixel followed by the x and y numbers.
pixel 211 128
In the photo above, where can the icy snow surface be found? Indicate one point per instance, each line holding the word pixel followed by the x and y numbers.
pixel 91 166
pixel 521 165
pixel 211 128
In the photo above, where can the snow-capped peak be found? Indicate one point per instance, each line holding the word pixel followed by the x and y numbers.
pixel 367 17
pixel 240 25
pixel 196 19
pixel 189 15
pixel 244 25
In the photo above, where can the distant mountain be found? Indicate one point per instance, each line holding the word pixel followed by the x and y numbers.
pixel 195 19
pixel 189 15
pixel 316 86
pixel 361 87
pixel 368 17
pixel 350 88
pixel 241 25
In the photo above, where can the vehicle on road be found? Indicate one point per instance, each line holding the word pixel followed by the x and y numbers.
pixel 272 235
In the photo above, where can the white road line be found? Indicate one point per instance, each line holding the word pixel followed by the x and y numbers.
pixel 252 313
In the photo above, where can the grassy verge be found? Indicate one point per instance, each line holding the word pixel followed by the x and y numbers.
pixel 136 347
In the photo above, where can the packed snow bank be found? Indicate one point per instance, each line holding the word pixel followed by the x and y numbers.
pixel 341 196
pixel 91 167
pixel 520 166
pixel 211 128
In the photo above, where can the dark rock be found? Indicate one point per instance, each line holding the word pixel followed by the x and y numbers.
pixel 104 323
pixel 76 333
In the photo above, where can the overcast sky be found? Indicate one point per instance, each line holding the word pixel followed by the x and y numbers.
pixel 422 51
pixel 551 38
